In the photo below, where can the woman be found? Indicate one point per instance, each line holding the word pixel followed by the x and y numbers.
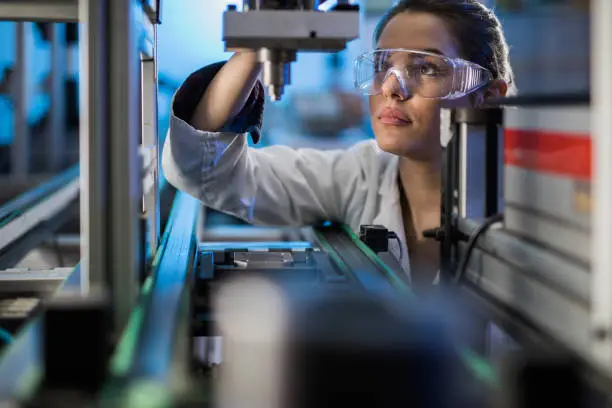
pixel 429 54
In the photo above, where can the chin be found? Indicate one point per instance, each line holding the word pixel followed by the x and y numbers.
pixel 399 145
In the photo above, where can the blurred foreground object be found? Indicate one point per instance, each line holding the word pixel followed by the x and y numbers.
pixel 327 347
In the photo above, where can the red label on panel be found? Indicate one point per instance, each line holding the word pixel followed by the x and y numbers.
pixel 562 154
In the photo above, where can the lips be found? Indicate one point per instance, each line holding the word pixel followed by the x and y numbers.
pixel 394 117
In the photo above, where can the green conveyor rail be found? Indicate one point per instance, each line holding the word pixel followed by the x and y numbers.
pixel 476 364
pixel 125 351
pixel 140 393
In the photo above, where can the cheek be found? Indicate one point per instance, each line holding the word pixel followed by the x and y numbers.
pixel 376 102
pixel 427 113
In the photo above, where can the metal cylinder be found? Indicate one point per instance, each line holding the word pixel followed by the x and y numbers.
pixel 276 70
pixel 478 134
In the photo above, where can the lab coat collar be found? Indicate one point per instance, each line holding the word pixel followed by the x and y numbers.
pixel 393 218
pixel 390 213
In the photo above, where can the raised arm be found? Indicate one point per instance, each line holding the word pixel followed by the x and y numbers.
pixel 227 93
pixel 268 186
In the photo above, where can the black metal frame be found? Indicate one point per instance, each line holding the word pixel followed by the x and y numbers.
pixel 450 200
pixel 570 99
pixel 491 119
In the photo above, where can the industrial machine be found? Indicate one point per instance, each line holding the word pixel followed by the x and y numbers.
pixel 151 316
pixel 278 29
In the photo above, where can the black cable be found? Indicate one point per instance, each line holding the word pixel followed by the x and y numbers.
pixel 482 228
pixel 393 235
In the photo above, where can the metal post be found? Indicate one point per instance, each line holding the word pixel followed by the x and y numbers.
pixel 20 149
pixel 461 137
pixel 478 136
pixel 124 165
pixel 449 208
pixel 493 163
pixel 110 140
pixel 56 132
pixel 601 123
pixel 150 145
pixel 93 143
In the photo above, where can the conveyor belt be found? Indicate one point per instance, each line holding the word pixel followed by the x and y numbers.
pixel 356 259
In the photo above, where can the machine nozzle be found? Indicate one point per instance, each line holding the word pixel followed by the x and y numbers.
pixel 276 70
pixel 276 92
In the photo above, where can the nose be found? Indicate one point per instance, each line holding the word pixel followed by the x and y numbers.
pixel 395 86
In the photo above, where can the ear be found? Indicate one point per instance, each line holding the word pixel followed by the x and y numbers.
pixel 496 89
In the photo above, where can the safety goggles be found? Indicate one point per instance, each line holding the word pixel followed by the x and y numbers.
pixel 413 72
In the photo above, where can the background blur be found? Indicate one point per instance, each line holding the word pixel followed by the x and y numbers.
pixel 548 52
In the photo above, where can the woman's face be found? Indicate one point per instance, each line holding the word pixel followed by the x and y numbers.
pixel 418 136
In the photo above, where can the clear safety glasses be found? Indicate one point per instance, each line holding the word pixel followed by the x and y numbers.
pixel 413 72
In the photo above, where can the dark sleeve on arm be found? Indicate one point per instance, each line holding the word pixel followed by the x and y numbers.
pixel 191 91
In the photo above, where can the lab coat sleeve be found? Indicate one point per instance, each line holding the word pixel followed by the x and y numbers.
pixel 273 185
pixel 267 186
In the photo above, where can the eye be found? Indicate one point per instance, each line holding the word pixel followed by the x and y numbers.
pixel 430 69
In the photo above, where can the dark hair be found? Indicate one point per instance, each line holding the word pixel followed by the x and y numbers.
pixel 476 28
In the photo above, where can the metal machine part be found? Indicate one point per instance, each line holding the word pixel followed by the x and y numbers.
pixel 280 4
pixel 527 276
pixel 276 70
pixel 477 135
pixel 32 281
pixel 263 260
pixel 279 29
pixel 548 193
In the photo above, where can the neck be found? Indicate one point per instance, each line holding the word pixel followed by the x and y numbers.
pixel 421 181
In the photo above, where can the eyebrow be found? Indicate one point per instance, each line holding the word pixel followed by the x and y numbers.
pixel 434 51
pixel 430 50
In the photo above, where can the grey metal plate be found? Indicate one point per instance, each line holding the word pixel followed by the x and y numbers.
pixel 554 270
pixel 563 317
pixel 39 10
pixel 15 281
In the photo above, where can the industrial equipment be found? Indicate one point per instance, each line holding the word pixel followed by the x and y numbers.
pixel 329 318
pixel 278 29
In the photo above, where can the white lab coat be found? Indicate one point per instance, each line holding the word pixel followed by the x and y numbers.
pixel 278 185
